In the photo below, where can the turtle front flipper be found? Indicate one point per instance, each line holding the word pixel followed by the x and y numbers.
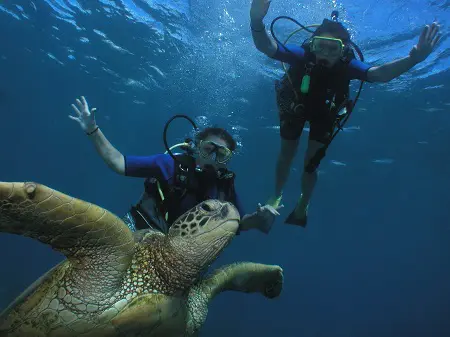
pixel 244 277
pixel 98 244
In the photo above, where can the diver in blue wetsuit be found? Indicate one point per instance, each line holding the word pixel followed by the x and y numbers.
pixel 316 89
pixel 176 183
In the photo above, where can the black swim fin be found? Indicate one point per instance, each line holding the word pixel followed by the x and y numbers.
pixel 293 219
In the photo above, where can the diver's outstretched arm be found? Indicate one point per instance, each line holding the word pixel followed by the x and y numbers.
pixel 427 42
pixel 86 118
pixel 263 42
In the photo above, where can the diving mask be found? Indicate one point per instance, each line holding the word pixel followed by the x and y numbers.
pixel 327 46
pixel 211 150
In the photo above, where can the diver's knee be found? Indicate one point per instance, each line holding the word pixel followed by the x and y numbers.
pixel 314 154
pixel 312 163
pixel 310 169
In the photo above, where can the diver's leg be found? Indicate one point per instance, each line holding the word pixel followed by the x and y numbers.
pixel 291 127
pixel 309 177
pixel 284 162
pixel 318 138
pixel 290 131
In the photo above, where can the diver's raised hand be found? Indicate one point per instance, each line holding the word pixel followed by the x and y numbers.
pixel 85 117
pixel 259 10
pixel 427 41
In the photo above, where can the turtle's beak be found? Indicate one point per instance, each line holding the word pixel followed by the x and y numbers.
pixel 231 225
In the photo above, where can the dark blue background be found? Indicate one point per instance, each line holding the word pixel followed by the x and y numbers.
pixel 374 258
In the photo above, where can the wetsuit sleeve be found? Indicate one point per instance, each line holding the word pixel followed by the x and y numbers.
pixel 291 53
pixel 160 166
pixel 358 70
pixel 238 205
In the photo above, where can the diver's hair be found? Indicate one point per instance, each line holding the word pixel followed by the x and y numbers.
pixel 333 28
pixel 219 132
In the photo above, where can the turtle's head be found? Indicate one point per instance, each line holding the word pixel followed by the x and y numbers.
pixel 204 231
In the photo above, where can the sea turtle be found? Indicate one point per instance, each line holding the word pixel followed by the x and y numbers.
pixel 114 282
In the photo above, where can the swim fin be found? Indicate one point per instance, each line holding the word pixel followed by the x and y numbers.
pixel 293 219
pixel 275 201
pixel 297 218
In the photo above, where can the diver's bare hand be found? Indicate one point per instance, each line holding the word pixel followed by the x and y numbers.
pixel 85 117
pixel 259 10
pixel 427 42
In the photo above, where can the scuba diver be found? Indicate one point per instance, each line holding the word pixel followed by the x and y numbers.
pixel 315 88
pixel 176 183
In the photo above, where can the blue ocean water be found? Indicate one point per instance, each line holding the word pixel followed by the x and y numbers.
pixel 374 258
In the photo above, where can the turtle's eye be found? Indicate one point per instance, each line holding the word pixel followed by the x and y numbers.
pixel 206 207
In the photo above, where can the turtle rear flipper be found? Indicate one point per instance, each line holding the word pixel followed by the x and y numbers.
pixel 245 277
pixel 98 244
